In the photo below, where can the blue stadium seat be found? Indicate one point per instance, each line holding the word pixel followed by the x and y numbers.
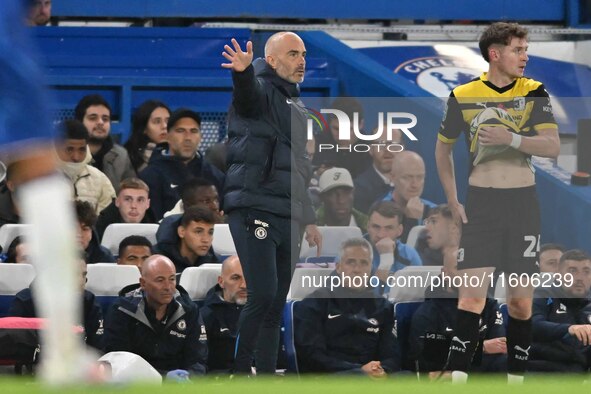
pixel 332 237
pixel 505 311
pixel 13 278
pixel 223 243
pixel 9 232
pixel 116 232
pixel 105 280
pixel 198 280
pixel 288 341
pixel 306 280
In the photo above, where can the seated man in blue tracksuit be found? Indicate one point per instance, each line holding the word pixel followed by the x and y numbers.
pixel 159 322
pixel 561 319
pixel 348 329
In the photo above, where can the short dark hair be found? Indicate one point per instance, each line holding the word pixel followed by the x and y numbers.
pixel 575 255
pixel 73 129
pixel 88 101
pixel 197 214
pixel 500 33
pixel 551 246
pixel 182 113
pixel 441 209
pixel 189 188
pixel 134 240
pixel 388 209
pixel 85 213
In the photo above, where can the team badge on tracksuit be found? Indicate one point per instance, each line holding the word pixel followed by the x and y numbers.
pixel 261 231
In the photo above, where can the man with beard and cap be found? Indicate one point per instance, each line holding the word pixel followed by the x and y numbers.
pixel 111 158
pixel 221 310
pixel 265 194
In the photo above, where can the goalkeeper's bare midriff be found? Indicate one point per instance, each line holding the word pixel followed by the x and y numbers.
pixel 505 171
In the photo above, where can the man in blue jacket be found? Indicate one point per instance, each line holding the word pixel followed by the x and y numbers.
pixel 159 322
pixel 561 319
pixel 173 163
pixel 266 197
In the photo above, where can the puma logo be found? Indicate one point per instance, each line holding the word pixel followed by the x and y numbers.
pixel 522 350
pixel 457 348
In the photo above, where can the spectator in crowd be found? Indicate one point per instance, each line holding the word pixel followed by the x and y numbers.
pixel 39 12
pixel 87 237
pixel 549 257
pixel 17 252
pixel 159 322
pixel 336 192
pixel 9 210
pixel 134 250
pixel 24 306
pixel 89 183
pixel 439 227
pixel 355 162
pixel 148 129
pixel 348 329
pixel 408 178
pixel 132 205
pixel 372 184
pixel 221 310
pixel 197 191
pixel 111 158
pixel 187 241
pixel 172 164
pixel 561 319
pixel 383 233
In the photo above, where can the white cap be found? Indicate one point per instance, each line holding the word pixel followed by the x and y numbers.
pixel 334 177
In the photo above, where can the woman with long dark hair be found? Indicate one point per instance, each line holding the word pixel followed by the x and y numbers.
pixel 148 130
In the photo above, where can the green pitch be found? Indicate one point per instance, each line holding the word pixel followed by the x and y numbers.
pixel 329 385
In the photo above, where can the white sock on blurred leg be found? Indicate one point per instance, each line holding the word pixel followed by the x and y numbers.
pixel 46 204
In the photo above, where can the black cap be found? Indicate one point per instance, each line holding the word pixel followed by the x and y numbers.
pixel 182 113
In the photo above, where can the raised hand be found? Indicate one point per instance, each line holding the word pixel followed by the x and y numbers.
pixel 239 60
pixel 414 208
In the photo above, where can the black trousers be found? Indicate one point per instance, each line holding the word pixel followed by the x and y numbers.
pixel 268 247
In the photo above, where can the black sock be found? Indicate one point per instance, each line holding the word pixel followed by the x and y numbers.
pixel 518 345
pixel 464 341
